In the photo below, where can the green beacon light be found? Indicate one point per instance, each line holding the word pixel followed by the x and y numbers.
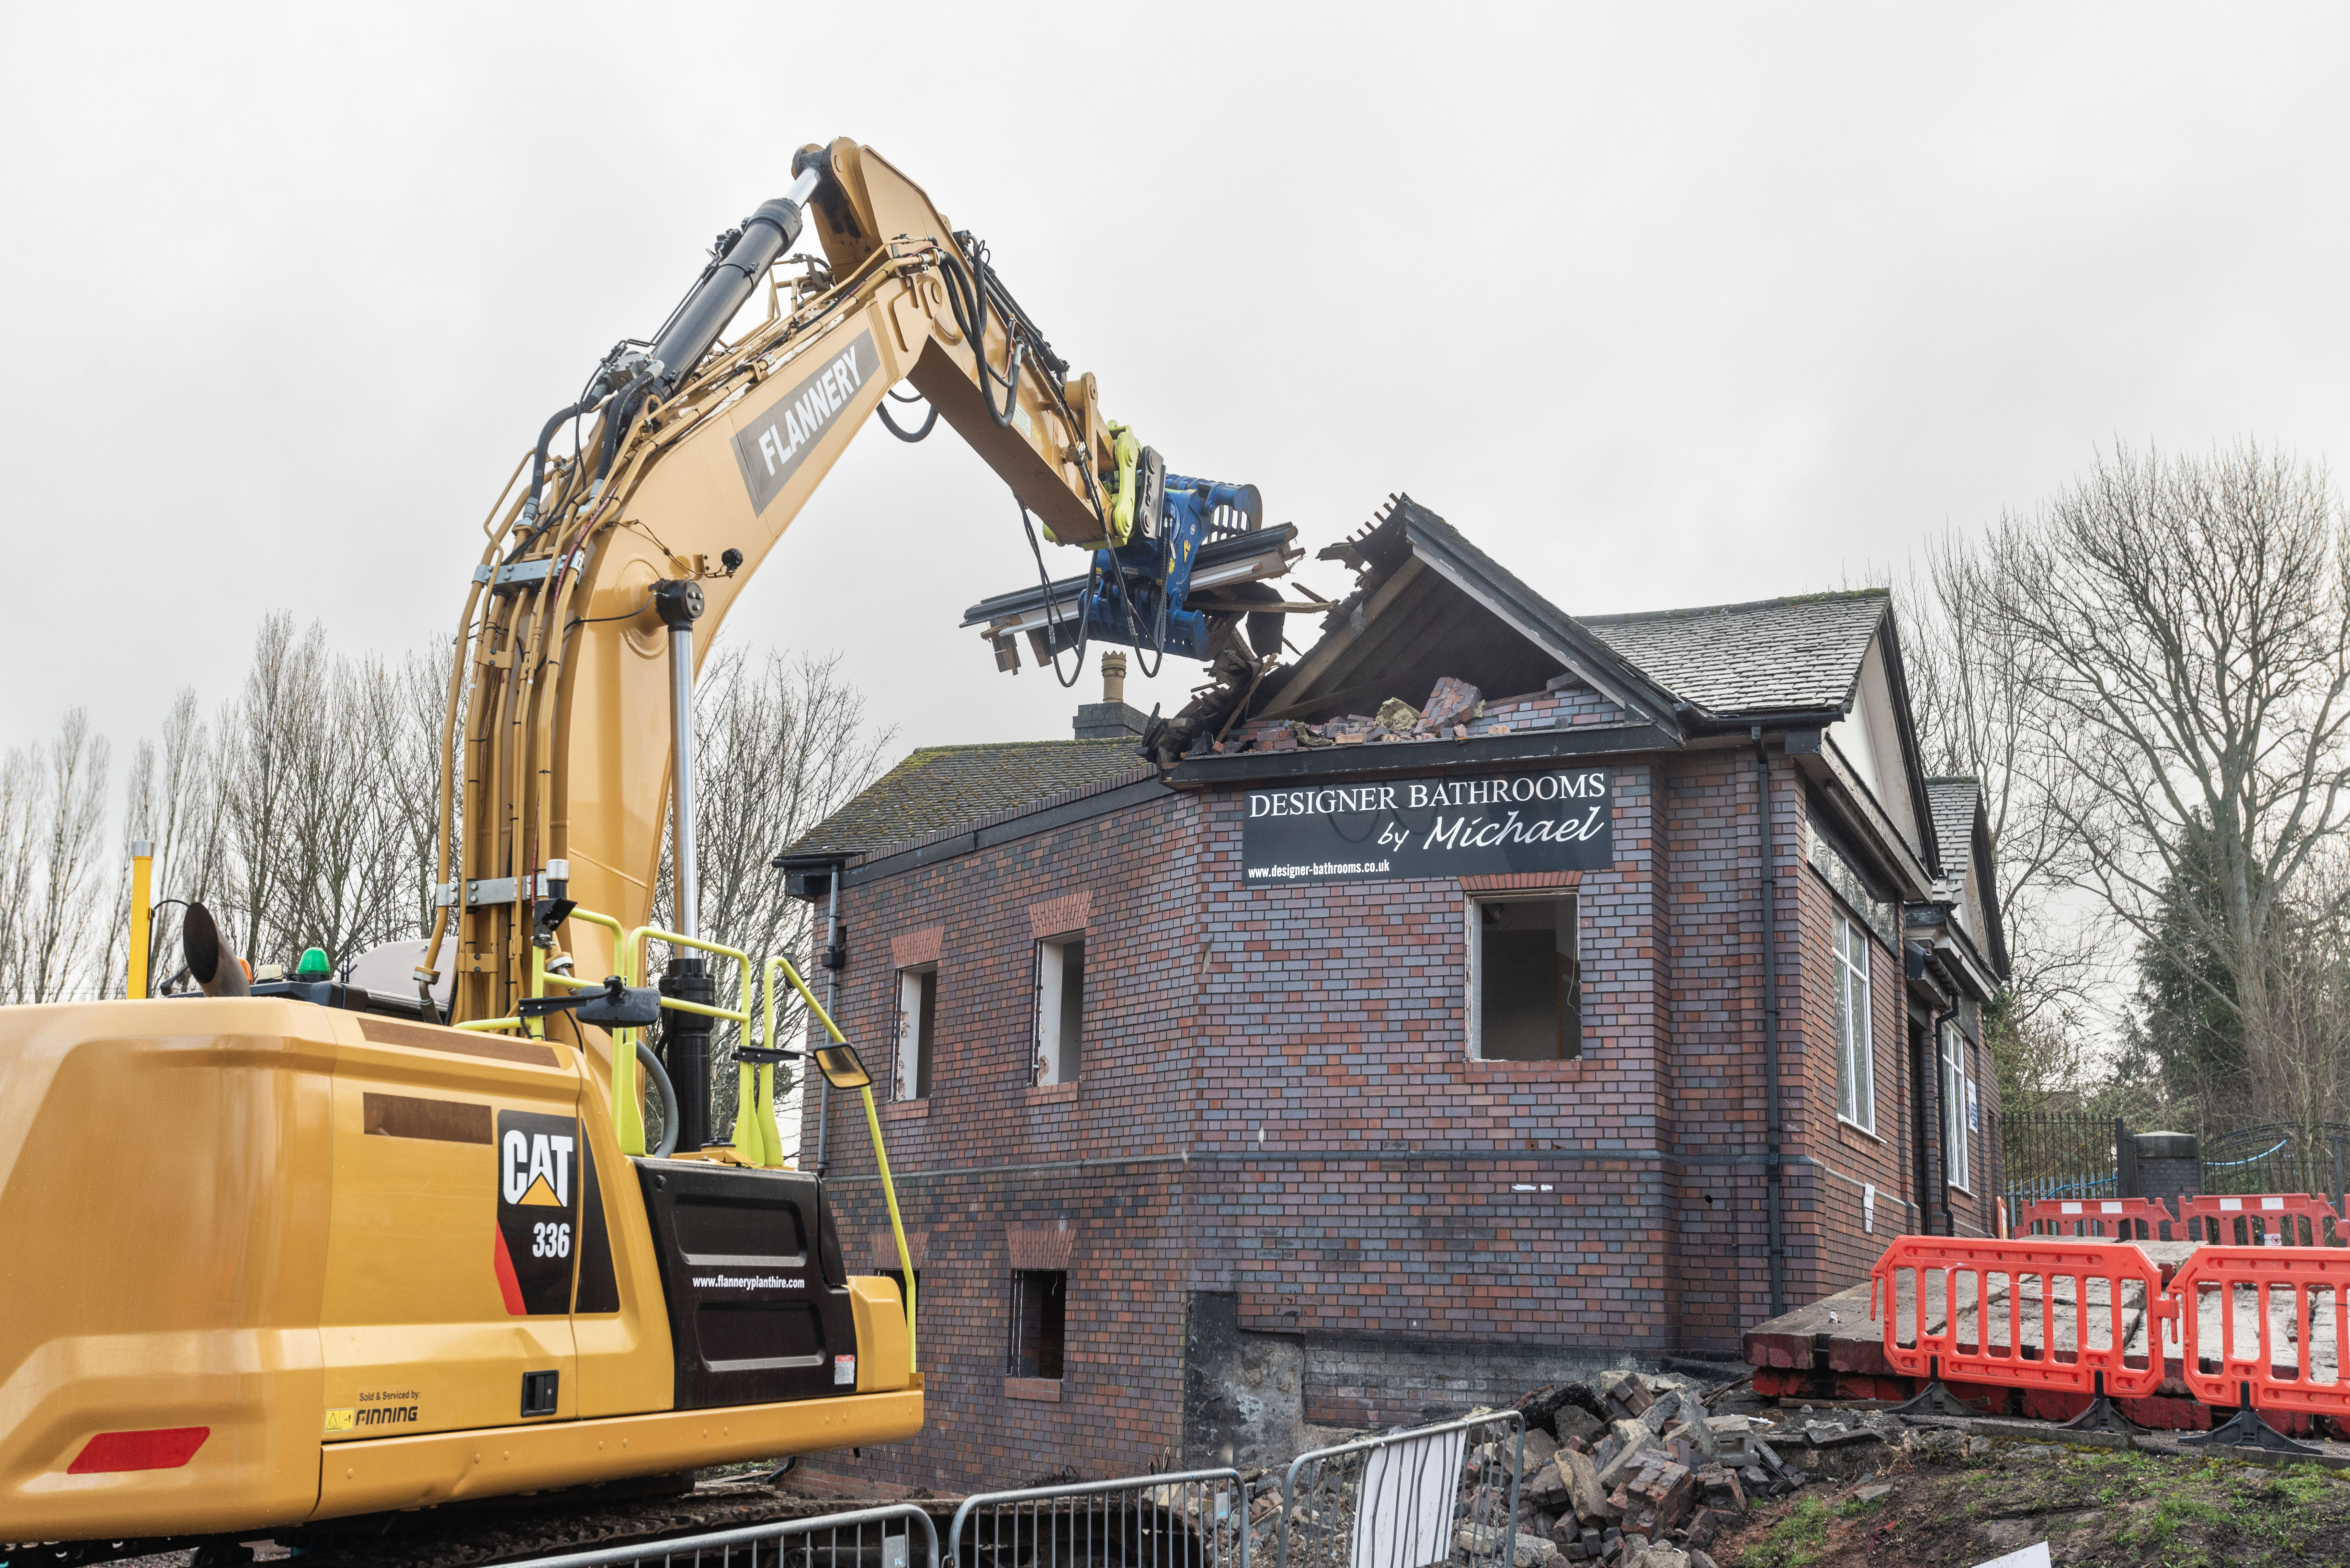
pixel 313 965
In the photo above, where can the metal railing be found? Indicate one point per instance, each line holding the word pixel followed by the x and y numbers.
pixel 1192 1519
pixel 2046 1155
pixel 1446 1493
pixel 897 1536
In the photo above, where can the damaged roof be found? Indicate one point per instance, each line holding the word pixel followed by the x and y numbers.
pixel 941 789
pixel 1769 656
pixel 1429 603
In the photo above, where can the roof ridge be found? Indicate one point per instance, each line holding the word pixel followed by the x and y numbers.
pixel 1783 602
pixel 1004 745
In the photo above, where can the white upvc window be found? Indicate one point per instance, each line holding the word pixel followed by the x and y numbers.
pixel 1855 1064
pixel 1957 1107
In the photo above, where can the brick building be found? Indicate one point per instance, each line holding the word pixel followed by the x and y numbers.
pixel 1344 1074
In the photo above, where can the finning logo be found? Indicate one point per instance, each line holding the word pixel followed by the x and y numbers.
pixel 538 1170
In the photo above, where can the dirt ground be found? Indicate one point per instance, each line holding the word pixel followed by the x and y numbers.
pixel 2110 1508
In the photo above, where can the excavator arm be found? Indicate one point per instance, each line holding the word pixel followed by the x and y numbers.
pixel 697 453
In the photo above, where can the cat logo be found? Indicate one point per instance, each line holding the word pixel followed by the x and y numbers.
pixel 535 1169
pixel 537 1189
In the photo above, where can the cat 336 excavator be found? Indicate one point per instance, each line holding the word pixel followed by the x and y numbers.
pixel 307 1249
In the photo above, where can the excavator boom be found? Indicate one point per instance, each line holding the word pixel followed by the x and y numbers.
pixel 394 1249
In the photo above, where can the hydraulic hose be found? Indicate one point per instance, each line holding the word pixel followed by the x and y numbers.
pixel 658 1076
pixel 618 414
pixel 538 466
pixel 899 430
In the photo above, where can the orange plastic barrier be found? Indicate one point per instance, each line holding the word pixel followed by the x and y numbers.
pixel 2267 1323
pixel 1983 1293
pixel 2121 1216
pixel 2272 1211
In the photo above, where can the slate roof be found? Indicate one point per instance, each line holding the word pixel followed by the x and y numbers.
pixel 1954 801
pixel 1768 656
pixel 940 789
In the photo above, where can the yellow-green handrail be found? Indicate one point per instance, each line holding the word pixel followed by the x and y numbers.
pixel 627 1116
pixel 487 1023
pixel 628 1119
pixel 873 1127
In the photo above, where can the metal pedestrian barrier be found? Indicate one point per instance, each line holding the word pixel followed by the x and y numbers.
pixel 2076 1317
pixel 1192 1519
pixel 2131 1219
pixel 897 1536
pixel 2265 1328
pixel 2257 1220
pixel 1433 1495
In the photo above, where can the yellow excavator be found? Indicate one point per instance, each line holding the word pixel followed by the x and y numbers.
pixel 300 1248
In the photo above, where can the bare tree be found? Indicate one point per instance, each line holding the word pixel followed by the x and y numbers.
pixel 260 738
pixel 1974 684
pixel 2187 625
pixel 56 810
pixel 186 821
pixel 19 820
pixel 2304 1077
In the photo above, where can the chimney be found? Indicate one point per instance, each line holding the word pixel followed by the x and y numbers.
pixel 1110 718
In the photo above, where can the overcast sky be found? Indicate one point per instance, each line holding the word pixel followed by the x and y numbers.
pixel 1660 305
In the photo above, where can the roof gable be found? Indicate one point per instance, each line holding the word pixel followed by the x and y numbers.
pixel 1430 604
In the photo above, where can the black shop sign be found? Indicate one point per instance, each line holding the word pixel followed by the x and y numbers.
pixel 1546 821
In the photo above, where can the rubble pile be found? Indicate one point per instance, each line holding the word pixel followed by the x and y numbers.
pixel 1451 706
pixel 1636 1472
pixel 1625 1471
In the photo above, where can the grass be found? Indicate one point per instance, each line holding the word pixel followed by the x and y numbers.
pixel 1794 1541
pixel 2171 1511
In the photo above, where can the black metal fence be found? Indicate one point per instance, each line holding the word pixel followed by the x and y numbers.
pixel 2278 1157
pixel 2057 1154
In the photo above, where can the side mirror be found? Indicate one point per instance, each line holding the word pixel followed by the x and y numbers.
pixel 842 1067
pixel 621 1007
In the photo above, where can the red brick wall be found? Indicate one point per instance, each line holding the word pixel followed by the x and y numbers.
pixel 1276 1100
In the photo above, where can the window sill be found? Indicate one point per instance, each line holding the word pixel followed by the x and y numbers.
pixel 1050 1094
pixel 1044 1390
pixel 905 1110
pixel 1570 1065
pixel 1844 1124
pixel 1964 1191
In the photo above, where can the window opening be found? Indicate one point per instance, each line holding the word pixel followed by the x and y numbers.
pixel 1855 1068
pixel 1039 1322
pixel 918 1008
pixel 1060 1008
pixel 1525 979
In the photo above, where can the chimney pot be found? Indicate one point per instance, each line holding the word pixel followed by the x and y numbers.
pixel 1113 669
